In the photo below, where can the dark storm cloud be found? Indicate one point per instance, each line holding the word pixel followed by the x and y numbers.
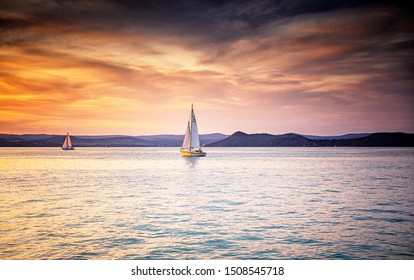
pixel 213 20
pixel 215 27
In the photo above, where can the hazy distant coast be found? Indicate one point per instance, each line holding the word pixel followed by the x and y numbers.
pixel 383 139
pixel 237 139
pixel 50 140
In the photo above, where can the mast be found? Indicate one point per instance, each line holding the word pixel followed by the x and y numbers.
pixel 191 126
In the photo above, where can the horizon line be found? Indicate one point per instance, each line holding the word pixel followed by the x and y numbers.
pixel 173 134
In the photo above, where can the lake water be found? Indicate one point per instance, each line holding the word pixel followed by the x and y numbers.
pixel 236 203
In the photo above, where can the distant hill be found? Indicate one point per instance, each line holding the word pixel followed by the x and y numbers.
pixel 241 139
pixel 56 141
pixel 50 140
pixel 237 139
pixel 345 136
pixel 384 139
pixel 176 140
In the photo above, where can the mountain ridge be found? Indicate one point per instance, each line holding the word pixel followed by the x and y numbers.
pixel 379 139
pixel 53 140
pixel 237 139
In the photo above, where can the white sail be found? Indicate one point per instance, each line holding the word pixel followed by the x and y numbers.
pixel 187 138
pixel 195 140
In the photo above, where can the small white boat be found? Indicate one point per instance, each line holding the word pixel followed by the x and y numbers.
pixel 67 145
pixel 191 145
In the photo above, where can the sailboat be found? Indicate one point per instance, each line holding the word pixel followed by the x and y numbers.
pixel 67 145
pixel 191 145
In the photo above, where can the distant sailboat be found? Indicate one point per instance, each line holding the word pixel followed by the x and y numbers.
pixel 67 145
pixel 191 145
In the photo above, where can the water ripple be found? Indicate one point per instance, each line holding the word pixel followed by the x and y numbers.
pixel 252 203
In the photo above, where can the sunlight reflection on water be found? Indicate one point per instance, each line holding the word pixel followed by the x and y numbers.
pixel 236 203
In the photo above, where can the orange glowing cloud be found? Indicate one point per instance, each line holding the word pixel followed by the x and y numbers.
pixel 122 68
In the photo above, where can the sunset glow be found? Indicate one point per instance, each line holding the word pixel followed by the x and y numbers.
pixel 135 67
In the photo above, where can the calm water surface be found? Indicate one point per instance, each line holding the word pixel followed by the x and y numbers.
pixel 236 203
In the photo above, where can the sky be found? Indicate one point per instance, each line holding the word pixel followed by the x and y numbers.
pixel 135 67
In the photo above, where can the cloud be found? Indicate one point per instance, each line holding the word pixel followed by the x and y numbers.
pixel 307 63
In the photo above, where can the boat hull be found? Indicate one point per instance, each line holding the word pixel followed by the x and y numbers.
pixel 196 153
pixel 68 148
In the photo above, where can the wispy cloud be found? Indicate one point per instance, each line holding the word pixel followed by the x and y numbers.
pixel 135 66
